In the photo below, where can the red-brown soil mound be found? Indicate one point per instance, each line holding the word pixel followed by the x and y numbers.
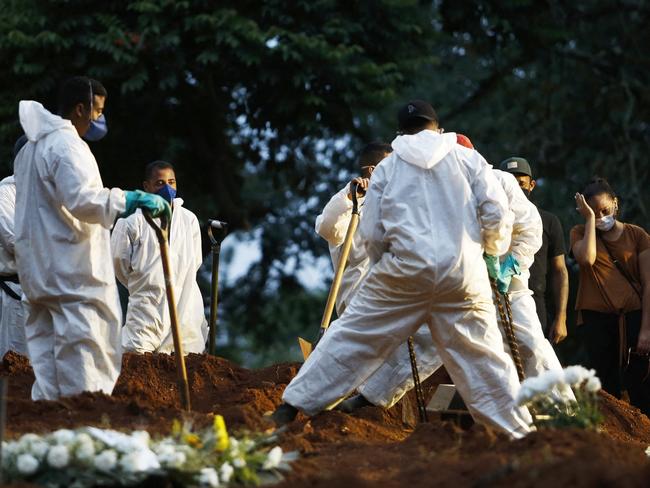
pixel 373 447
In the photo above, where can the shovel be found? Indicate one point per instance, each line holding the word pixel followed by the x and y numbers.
pixel 221 229
pixel 305 346
pixel 162 233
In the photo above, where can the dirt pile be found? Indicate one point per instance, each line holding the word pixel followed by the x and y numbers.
pixel 374 446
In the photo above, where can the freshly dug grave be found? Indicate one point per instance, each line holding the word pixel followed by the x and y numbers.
pixel 370 448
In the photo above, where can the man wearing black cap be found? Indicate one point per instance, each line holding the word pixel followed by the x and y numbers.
pixel 549 257
pixel 433 208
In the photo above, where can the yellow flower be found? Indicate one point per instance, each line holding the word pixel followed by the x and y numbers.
pixel 177 428
pixel 220 433
pixel 193 440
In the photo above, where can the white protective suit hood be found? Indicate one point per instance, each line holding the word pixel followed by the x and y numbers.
pixel 38 122
pixel 424 149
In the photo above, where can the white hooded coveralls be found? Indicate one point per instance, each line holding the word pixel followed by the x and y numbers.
pixel 12 318
pixel 394 378
pixel 138 266
pixel 431 210
pixel 63 255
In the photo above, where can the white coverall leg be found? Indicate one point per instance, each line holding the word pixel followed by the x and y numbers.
pixel 381 316
pixel 394 378
pixel 12 323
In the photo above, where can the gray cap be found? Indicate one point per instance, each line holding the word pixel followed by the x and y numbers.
pixel 516 165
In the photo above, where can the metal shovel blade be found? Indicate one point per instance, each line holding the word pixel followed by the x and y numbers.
pixel 305 347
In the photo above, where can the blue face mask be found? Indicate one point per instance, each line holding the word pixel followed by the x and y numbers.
pixel 167 192
pixel 97 130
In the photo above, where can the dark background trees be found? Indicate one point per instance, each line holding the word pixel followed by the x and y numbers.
pixel 262 106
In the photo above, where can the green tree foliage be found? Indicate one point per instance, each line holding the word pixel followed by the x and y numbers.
pixel 259 104
pixel 564 84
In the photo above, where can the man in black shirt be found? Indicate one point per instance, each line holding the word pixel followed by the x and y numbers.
pixel 550 257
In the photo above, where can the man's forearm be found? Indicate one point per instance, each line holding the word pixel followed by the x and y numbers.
pixel 560 290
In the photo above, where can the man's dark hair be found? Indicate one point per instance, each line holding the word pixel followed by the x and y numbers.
pixel 598 186
pixel 77 90
pixel 155 165
pixel 373 153
pixel 416 124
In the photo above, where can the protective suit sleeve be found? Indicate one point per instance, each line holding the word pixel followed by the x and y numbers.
pixel 332 223
pixel 371 231
pixel 76 180
pixel 7 212
pixel 496 219
pixel 527 226
pixel 122 240
pixel 196 243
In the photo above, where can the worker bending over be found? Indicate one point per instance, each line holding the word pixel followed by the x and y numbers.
pixel 430 213
pixel 137 260
pixel 63 255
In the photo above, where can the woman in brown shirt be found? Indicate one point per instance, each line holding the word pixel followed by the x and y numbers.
pixel 613 300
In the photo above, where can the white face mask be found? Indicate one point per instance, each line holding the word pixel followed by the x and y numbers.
pixel 606 223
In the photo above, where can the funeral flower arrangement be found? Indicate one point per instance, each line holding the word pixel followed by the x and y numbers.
pixel 549 398
pixel 94 457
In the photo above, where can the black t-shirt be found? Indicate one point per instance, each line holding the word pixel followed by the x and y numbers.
pixel 552 246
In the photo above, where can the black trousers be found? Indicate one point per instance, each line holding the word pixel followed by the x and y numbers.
pixel 600 332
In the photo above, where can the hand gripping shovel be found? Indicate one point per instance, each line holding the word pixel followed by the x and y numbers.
pixel 220 229
pixel 162 233
pixel 305 346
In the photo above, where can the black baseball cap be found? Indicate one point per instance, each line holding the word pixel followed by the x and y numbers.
pixel 416 109
pixel 516 165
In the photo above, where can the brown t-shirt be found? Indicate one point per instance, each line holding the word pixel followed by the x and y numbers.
pixel 604 278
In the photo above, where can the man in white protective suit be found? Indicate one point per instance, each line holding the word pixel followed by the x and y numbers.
pixel 12 318
pixel 430 213
pixel 137 261
pixel 394 378
pixel 63 255
pixel 332 224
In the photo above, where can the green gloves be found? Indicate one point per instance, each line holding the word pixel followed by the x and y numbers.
pixel 509 268
pixel 492 263
pixel 141 199
pixel 501 272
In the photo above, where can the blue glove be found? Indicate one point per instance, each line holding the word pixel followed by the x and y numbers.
pixel 492 263
pixel 509 268
pixel 141 199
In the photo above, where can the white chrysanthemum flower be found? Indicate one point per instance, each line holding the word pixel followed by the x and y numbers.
pixel 58 456
pixel 552 378
pixel 141 437
pixel 647 451
pixel 25 442
pixel 83 438
pixel 139 461
pixel 273 458
pixel 574 375
pixel 63 436
pixel 239 462
pixel 106 460
pixel 39 449
pixel 208 477
pixel 226 471
pixel 85 451
pixel 593 384
pixel 165 452
pixel 177 459
pixel 27 464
